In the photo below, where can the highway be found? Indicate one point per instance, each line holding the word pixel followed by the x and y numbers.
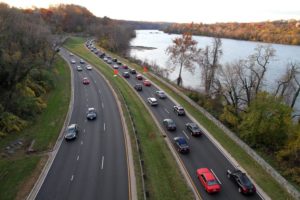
pixel 203 152
pixel 93 166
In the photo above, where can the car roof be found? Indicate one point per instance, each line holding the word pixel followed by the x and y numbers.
pixel 181 140
pixel 91 109
pixel 152 99
pixel 169 120
pixel 72 126
pixel 206 173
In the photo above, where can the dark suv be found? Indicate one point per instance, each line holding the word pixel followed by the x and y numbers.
pixel 193 129
pixel 244 184
pixel 169 124
pixel 181 145
pixel 138 87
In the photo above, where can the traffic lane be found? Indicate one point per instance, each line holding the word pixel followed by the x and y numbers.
pixel 114 158
pixel 149 93
pixel 63 164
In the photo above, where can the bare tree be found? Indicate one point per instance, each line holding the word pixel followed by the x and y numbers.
pixel 208 60
pixel 183 53
pixel 288 86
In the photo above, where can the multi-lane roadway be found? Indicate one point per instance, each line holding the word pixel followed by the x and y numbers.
pixel 93 166
pixel 203 152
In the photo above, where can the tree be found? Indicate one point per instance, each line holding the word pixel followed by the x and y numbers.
pixel 288 86
pixel 208 60
pixel 266 123
pixel 183 53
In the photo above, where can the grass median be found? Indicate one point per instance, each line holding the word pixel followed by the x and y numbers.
pixel 164 180
pixel 261 177
pixel 19 171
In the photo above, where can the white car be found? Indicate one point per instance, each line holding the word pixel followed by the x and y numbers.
pixel 152 101
pixel 73 61
pixel 79 68
pixel 88 67
pixel 115 66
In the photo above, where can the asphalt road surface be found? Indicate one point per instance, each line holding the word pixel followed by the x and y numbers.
pixel 203 153
pixel 93 166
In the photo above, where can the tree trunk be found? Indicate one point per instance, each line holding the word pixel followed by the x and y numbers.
pixel 179 79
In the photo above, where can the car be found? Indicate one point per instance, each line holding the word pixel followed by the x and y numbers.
pixel 181 145
pixel 132 71
pixel 169 124
pixel 79 68
pixel 91 114
pixel 102 55
pixel 160 94
pixel 193 129
pixel 179 110
pixel 109 61
pixel 138 87
pixel 245 186
pixel 115 60
pixel 208 180
pixel 119 63
pixel 125 67
pixel 85 81
pixel 126 74
pixel 71 132
pixel 147 83
pixel 73 61
pixel 71 54
pixel 105 59
pixel 139 77
pixel 152 101
pixel 81 61
pixel 88 67
pixel 115 66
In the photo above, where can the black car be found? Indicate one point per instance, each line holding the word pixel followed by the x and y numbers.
pixel 126 74
pixel 132 71
pixel 181 145
pixel 114 60
pixel 193 129
pixel 71 132
pixel 244 184
pixel 138 87
pixel 169 124
pixel 179 110
pixel 91 114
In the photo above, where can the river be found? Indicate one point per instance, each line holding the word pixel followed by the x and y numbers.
pixel 232 50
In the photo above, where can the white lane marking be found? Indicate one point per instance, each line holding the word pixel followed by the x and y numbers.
pixel 72 177
pixel 99 92
pixel 102 105
pixel 166 110
pixel 95 81
pixel 77 157
pixel 84 130
pixel 81 142
pixel 102 163
pixel 104 126
pixel 216 176
pixel 186 135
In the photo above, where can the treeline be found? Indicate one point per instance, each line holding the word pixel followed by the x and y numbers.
pixel 138 25
pixel 29 42
pixel 281 32
pixel 235 93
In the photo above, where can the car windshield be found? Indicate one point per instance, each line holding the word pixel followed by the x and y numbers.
pixel 245 181
pixel 71 129
pixel 182 142
pixel 212 182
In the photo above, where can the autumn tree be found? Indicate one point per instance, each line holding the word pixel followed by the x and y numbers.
pixel 208 60
pixel 266 123
pixel 182 53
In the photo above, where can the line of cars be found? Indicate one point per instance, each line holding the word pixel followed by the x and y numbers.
pixel 72 130
pixel 205 176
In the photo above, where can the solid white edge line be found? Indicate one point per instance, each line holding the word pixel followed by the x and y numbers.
pixel 102 162
pixel 186 135
pixel 216 176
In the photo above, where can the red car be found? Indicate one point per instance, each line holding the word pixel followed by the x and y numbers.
pixel 208 180
pixel 85 81
pixel 139 77
pixel 147 83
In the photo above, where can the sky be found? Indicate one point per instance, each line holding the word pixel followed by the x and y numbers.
pixel 181 11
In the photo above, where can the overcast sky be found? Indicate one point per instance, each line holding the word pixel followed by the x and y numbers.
pixel 206 11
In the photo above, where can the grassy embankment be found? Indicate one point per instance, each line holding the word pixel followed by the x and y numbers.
pixel 261 177
pixel 164 180
pixel 19 171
